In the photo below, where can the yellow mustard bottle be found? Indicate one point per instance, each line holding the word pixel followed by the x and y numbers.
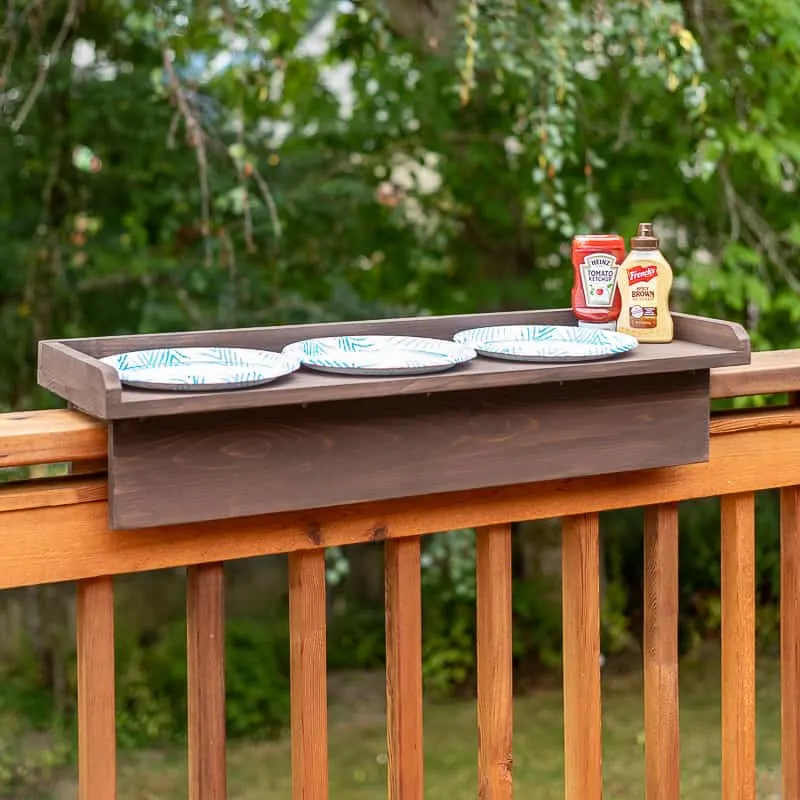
pixel 645 281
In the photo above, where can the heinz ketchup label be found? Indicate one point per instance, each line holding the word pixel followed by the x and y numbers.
pixel 595 295
pixel 599 278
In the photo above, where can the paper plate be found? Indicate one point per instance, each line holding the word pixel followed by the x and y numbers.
pixel 546 343
pixel 198 369
pixel 379 355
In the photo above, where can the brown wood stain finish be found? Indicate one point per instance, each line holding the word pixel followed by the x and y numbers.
pixel 170 470
pixel 309 688
pixel 662 742
pixel 205 657
pixel 494 661
pixel 97 722
pixel 583 771
pixel 790 641
pixel 404 669
pixel 738 647
pixel 70 367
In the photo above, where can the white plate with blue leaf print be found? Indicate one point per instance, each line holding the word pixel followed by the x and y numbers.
pixel 379 355
pixel 546 343
pixel 200 369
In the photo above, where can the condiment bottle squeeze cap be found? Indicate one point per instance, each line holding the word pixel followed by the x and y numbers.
pixel 645 238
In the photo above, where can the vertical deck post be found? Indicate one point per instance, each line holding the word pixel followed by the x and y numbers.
pixel 205 655
pixel 309 686
pixel 97 722
pixel 583 772
pixel 662 742
pixel 404 668
pixel 738 647
pixel 790 641
pixel 494 657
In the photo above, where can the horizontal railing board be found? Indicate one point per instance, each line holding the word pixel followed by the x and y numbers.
pixel 770 372
pixel 55 539
pixel 50 437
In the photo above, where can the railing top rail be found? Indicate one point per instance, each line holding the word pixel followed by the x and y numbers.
pixel 770 372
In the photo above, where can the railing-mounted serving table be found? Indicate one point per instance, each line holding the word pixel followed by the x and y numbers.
pixel 311 440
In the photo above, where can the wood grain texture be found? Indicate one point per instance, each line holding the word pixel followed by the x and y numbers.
pixel 205 654
pixel 307 625
pixel 82 380
pixel 790 641
pixel 583 771
pixel 738 647
pixel 494 661
pixel 50 538
pixel 772 372
pixel 216 466
pixel 700 345
pixel 49 437
pixel 404 669
pixel 97 722
pixel 662 742
pixel 52 492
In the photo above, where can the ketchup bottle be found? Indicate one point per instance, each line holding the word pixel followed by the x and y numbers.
pixel 596 301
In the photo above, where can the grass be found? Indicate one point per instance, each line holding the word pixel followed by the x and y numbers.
pixel 358 754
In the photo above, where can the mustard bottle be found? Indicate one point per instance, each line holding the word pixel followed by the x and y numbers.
pixel 645 281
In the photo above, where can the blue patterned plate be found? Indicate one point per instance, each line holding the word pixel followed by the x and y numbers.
pixel 379 355
pixel 200 369
pixel 546 343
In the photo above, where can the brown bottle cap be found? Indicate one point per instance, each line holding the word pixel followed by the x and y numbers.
pixel 645 238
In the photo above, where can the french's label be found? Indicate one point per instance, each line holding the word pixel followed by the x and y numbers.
pixel 642 282
pixel 642 274
pixel 599 277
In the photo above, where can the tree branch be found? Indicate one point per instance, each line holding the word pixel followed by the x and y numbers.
pixel 197 139
pixel 45 62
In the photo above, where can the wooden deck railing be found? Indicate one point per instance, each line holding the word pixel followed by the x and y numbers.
pixel 55 530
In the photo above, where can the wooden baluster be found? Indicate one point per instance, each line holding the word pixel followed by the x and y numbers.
pixel 494 658
pixel 738 647
pixel 790 641
pixel 583 772
pixel 404 668
pixel 309 687
pixel 205 654
pixel 662 743
pixel 97 723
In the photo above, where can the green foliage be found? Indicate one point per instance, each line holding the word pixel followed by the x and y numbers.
pixel 29 762
pixel 151 687
pixel 448 603
pixel 699 598
pixel 260 190
pixel 151 684
pixel 357 637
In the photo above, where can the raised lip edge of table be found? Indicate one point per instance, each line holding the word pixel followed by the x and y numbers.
pixel 70 367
